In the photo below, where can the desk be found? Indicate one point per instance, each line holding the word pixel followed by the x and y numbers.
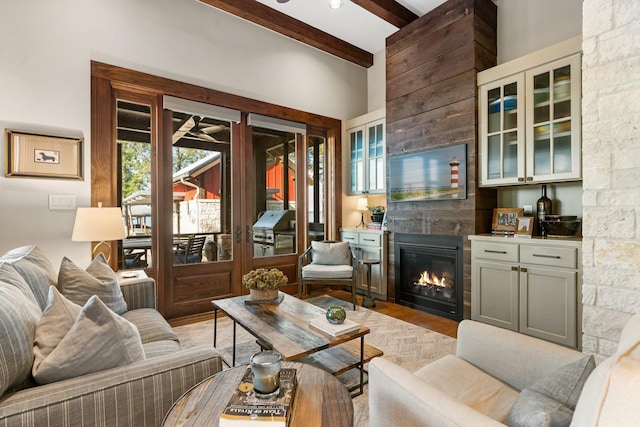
pixel 321 399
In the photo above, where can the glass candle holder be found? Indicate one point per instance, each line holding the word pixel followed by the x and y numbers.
pixel 265 367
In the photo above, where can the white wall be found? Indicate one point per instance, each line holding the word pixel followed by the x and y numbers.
pixel 525 26
pixel 46 51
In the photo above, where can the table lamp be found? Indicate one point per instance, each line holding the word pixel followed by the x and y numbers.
pixel 362 207
pixel 98 225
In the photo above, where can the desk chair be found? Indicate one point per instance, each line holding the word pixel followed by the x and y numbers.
pixel 329 263
pixel 192 252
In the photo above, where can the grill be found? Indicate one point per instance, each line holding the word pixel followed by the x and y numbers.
pixel 272 233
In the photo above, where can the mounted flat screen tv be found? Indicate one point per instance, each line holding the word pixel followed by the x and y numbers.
pixel 438 174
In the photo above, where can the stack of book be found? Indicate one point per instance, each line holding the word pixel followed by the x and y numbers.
pixel 374 226
pixel 245 408
pixel 333 329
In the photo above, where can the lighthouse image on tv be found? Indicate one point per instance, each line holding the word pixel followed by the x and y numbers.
pixel 438 174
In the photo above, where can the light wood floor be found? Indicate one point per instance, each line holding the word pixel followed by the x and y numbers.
pixel 417 317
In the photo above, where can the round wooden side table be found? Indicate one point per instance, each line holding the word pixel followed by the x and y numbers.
pixel 368 301
pixel 320 400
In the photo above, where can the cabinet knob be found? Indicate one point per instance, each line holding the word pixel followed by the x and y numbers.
pixel 520 179
pixel 523 269
pixel 514 268
pixel 529 178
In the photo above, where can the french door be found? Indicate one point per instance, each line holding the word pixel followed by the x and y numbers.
pixel 193 180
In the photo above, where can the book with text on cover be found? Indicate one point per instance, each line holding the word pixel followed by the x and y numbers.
pixel 333 329
pixel 247 409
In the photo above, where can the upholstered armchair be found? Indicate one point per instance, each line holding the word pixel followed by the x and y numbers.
pixel 328 263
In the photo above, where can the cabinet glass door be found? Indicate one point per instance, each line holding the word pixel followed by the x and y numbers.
pixel 356 158
pixel 502 139
pixel 553 121
pixel 376 156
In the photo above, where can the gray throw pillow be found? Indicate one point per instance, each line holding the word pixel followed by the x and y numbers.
pixel 35 268
pixel 330 253
pixel 551 400
pixel 57 319
pixel 99 279
pixel 99 339
pixel 18 318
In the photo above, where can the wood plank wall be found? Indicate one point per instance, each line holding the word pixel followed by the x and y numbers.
pixel 431 102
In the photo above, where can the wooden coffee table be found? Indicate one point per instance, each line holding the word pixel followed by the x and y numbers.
pixel 320 400
pixel 285 328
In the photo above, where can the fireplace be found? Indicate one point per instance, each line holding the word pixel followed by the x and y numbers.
pixel 429 273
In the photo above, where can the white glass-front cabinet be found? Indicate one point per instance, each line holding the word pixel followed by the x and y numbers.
pixel 530 118
pixel 366 142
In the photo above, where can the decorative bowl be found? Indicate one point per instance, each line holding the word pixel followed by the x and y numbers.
pixel 336 314
pixel 561 226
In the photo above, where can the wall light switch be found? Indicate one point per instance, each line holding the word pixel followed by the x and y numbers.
pixel 62 202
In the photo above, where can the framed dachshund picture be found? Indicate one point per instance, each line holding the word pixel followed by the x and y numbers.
pixel 43 156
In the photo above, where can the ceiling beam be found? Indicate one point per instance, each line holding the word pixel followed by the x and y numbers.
pixel 258 13
pixel 389 10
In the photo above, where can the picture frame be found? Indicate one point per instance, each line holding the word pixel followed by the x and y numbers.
pixel 505 220
pixel 524 226
pixel 34 155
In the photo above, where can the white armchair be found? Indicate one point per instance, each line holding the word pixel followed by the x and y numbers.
pixel 480 383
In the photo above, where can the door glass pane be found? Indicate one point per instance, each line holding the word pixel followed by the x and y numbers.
pixel 541 98
pixel 357 160
pixel 510 154
pixel 542 151
pixel 376 153
pixel 316 184
pixel 133 123
pixel 200 187
pixel 562 147
pixel 274 155
pixel 511 106
pixel 493 109
pixel 493 157
pixel 562 92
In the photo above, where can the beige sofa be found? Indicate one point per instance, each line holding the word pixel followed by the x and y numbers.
pixel 480 383
pixel 135 394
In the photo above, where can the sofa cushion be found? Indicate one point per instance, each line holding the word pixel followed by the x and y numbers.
pixel 9 275
pixel 551 400
pixel 611 395
pixel 472 386
pixel 35 268
pixel 160 348
pixel 18 318
pixel 99 339
pixel 330 253
pixel 151 325
pixel 99 279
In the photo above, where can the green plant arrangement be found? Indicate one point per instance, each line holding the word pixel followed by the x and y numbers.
pixel 376 209
pixel 262 278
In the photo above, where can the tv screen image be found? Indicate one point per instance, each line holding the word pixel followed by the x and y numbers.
pixel 438 174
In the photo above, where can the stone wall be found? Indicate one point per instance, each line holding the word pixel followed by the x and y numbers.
pixel 611 165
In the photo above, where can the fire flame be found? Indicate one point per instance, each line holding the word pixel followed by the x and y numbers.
pixel 427 278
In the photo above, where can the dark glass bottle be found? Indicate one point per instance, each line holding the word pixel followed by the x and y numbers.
pixel 543 208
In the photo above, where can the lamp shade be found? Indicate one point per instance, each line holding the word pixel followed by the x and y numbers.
pixel 98 225
pixel 362 204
